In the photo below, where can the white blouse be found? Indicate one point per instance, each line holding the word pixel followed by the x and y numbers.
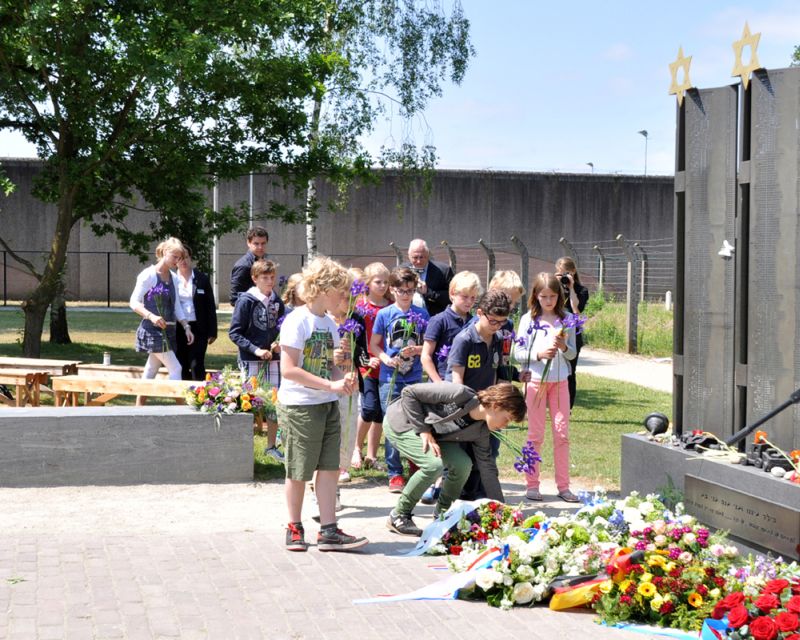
pixel 148 279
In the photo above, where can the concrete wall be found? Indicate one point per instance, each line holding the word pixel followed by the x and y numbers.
pixel 463 207
pixel 75 446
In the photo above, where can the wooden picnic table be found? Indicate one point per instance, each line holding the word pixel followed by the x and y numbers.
pixel 27 385
pixel 117 371
pixel 41 365
pixel 98 389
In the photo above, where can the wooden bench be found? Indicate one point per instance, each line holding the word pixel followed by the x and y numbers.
pixel 41 365
pixel 27 385
pixel 117 371
pixel 98 390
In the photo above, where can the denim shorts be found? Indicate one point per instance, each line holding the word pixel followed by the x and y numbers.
pixel 371 402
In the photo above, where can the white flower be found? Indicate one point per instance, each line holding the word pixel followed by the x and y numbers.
pixel 523 592
pixel 552 536
pixel 659 527
pixel 689 538
pixel 717 550
pixel 537 546
pixel 539 591
pixel 685 557
pixel 731 551
pixel 524 571
pixel 485 578
pixel 505 603
pixel 646 508
pixel 508 581
pixel 660 540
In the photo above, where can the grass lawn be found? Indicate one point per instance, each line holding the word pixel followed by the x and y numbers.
pixel 605 409
pixel 605 327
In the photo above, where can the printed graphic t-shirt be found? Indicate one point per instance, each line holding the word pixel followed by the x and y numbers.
pixel 316 337
pixel 391 323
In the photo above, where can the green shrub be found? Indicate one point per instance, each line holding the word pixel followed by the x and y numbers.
pixel 605 328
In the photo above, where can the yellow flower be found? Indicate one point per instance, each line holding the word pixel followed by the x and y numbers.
pixel 657 602
pixel 669 566
pixel 646 577
pixel 208 377
pixel 607 586
pixel 624 586
pixel 647 589
pixel 695 599
pixel 246 406
pixel 656 561
pixel 245 397
pixel 253 381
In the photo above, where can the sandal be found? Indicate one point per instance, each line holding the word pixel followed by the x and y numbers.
pixel 372 463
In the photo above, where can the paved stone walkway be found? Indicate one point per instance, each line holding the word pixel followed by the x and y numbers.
pixel 207 562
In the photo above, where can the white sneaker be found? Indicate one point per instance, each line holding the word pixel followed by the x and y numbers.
pixel 275 454
pixel 344 476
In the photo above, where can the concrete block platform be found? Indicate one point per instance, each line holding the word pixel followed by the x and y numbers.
pixel 77 446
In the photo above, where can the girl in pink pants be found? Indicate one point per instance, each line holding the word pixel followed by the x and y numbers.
pixel 544 339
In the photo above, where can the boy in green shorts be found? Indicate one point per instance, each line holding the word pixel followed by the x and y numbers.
pixel 308 407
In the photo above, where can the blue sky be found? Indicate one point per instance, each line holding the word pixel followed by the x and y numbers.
pixel 557 85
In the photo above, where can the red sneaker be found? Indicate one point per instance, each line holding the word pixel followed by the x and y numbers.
pixel 396 484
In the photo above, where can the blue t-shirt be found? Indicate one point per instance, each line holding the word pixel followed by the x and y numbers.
pixel 480 361
pixel 442 330
pixel 390 324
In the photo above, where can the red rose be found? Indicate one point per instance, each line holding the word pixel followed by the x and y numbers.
pixel 667 608
pixel 767 602
pixel 764 628
pixel 787 621
pixel 794 604
pixel 456 550
pixel 794 636
pixel 775 586
pixel 738 616
pixel 732 599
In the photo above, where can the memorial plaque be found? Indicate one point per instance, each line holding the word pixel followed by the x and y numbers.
pixel 767 524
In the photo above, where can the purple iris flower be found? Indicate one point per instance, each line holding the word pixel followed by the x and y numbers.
pixel 280 321
pixel 526 461
pixel 157 291
pixel 536 325
pixel 366 311
pixel 282 282
pixel 358 287
pixel 522 341
pixel 443 352
pixel 349 326
pixel 574 321
pixel 418 320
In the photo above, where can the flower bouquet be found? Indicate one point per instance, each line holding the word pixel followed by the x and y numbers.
pixel 226 392
pixel 670 574
pixel 489 519
pixel 772 613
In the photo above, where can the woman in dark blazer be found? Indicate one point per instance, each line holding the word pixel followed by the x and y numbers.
pixel 197 299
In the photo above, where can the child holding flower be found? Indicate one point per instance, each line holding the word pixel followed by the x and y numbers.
pixel 254 329
pixel 155 298
pixel 308 407
pixel 397 342
pixel 544 348
pixel 370 419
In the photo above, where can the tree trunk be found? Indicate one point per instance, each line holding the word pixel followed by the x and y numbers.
pixel 59 330
pixel 311 189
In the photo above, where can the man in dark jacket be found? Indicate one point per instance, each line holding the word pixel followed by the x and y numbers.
pixel 435 277
pixel 257 240
pixel 426 425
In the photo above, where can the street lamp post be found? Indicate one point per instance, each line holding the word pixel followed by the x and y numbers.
pixel 643 132
pixel 591 164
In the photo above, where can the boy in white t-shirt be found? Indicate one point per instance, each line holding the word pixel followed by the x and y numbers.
pixel 308 407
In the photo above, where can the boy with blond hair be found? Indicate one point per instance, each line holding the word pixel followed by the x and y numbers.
pixel 308 407
pixel 465 287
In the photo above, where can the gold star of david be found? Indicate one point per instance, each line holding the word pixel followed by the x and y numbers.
pixel 681 62
pixel 740 69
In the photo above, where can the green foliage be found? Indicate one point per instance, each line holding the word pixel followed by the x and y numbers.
pixel 595 304
pixel 605 328
pixel 796 56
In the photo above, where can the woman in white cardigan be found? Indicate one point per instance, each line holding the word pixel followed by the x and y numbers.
pixel 155 298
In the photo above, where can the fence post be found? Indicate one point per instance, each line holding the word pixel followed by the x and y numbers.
pixel 568 250
pixel 601 268
pixel 631 319
pixel 451 255
pixel 108 279
pixel 398 254
pixel 643 270
pixel 489 262
pixel 523 269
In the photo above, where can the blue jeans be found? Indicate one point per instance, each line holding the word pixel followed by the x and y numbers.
pixel 393 463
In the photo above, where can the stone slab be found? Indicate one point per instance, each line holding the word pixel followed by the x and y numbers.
pixel 648 467
pixel 79 446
